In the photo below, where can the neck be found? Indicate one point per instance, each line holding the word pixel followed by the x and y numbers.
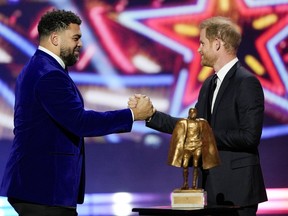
pixel 223 61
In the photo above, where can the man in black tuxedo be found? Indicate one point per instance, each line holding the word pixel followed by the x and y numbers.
pixel 235 115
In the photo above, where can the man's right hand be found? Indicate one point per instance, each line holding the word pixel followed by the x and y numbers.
pixel 141 107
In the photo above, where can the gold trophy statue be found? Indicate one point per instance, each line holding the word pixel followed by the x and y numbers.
pixel 192 141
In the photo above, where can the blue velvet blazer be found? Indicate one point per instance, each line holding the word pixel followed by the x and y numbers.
pixel 46 164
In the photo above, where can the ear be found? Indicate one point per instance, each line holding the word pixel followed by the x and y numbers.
pixel 54 38
pixel 217 44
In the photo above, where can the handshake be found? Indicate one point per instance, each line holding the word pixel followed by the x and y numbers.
pixel 141 107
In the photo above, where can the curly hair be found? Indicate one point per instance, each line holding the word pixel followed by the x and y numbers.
pixel 56 21
pixel 224 29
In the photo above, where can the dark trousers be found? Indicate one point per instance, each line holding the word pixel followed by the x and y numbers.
pixel 248 210
pixel 31 209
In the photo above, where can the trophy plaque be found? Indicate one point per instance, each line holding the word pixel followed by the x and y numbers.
pixel 189 198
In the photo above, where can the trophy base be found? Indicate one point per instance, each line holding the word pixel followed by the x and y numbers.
pixel 190 198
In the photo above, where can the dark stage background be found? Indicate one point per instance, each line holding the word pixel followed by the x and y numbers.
pixel 150 47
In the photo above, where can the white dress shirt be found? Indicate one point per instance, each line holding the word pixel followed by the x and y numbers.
pixel 221 75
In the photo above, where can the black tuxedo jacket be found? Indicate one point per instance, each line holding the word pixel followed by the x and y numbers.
pixel 236 121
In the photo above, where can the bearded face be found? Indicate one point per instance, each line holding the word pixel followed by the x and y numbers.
pixel 206 50
pixel 69 55
pixel 208 58
pixel 70 44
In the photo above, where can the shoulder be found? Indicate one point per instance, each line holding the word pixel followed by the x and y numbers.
pixel 243 76
pixel 242 72
pixel 44 62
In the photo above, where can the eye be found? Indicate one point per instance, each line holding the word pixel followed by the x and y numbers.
pixel 76 38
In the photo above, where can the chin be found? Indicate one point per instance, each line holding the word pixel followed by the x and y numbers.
pixel 203 63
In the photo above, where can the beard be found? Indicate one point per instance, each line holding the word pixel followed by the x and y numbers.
pixel 68 56
pixel 208 60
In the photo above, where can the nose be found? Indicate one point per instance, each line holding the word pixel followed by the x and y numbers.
pixel 79 43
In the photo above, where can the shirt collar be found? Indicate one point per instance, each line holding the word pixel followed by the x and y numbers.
pixel 224 70
pixel 57 58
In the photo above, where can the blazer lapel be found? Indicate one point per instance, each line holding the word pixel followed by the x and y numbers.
pixel 204 94
pixel 79 94
pixel 224 86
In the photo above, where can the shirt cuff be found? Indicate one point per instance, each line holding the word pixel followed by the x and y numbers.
pixel 132 114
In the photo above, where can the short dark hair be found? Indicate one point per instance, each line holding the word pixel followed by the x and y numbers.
pixel 55 21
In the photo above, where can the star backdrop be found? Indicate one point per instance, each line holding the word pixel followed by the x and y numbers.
pixel 150 47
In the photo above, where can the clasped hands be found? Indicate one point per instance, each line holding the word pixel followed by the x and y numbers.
pixel 141 107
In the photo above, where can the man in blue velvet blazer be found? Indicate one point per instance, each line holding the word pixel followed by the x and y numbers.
pixel 236 119
pixel 45 173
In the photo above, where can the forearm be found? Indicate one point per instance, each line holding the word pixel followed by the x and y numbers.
pixel 162 122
